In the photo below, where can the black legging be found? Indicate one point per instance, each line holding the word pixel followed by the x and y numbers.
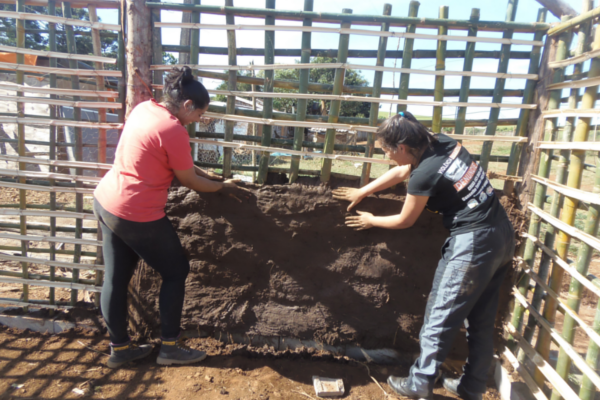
pixel 124 243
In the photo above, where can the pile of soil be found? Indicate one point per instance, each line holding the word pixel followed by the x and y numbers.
pixel 283 263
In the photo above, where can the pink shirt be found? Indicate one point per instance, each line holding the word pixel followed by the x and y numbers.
pixel 153 144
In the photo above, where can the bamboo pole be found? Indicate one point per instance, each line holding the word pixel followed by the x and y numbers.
pixel 378 79
pixel 56 70
pixel 245 51
pixel 570 205
pixel 440 65
pixel 194 37
pixel 407 55
pixel 21 146
pixel 52 155
pixel 61 92
pixel 409 34
pixel 357 19
pixel 365 90
pixel 587 390
pixel 465 85
pixel 232 85
pixel 110 4
pixel 545 161
pixel 302 103
pixel 25 16
pixel 157 53
pixel 57 163
pixel 573 22
pixel 67 103
pixel 491 127
pixel 522 124
pixel 45 251
pixel 267 130
pixel 78 148
pixel 550 234
pixel 68 56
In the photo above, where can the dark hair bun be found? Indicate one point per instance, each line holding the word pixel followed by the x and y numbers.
pixel 187 75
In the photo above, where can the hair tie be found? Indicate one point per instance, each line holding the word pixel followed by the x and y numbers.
pixel 402 114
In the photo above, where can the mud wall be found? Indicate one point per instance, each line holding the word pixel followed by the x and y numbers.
pixel 282 263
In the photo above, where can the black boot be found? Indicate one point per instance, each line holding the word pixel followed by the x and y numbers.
pixel 454 387
pixel 121 354
pixel 401 386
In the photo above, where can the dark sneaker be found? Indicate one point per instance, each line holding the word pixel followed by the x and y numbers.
pixel 402 387
pixel 454 387
pixel 175 352
pixel 122 354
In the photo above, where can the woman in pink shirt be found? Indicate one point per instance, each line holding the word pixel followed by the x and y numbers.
pixel 129 203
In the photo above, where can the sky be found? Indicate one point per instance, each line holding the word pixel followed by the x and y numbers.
pixel 458 9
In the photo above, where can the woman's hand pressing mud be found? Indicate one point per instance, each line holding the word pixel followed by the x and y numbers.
pixel 213 177
pixel 232 189
pixel 360 222
pixel 353 195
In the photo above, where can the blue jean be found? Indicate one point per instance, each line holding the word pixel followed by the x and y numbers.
pixel 124 243
pixel 466 286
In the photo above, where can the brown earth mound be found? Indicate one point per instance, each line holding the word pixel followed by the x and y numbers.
pixel 282 263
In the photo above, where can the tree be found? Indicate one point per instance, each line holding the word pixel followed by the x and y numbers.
pixel 39 41
pixel 316 75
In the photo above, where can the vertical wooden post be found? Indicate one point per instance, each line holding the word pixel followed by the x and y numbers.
pixel 557 49
pixel 587 389
pixel 21 136
pixel 334 108
pixel 72 48
pixel 139 53
pixel 374 113
pixel 52 150
pixel 522 122
pixel 413 10
pixel 267 131
pixel 97 45
pixel 440 65
pixel 231 85
pixel 121 63
pixel 569 206
pixel 157 53
pixel 193 59
pixel 492 124
pixel 302 103
pixel 465 84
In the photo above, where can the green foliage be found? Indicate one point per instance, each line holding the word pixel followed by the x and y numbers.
pixel 169 59
pixel 316 75
pixel 39 41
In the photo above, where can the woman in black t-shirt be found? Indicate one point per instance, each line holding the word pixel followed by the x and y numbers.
pixel 475 258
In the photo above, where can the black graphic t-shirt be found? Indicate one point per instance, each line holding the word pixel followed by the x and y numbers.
pixel 457 186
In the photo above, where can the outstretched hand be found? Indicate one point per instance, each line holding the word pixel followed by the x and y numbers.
pixel 353 195
pixel 232 189
pixel 213 177
pixel 360 222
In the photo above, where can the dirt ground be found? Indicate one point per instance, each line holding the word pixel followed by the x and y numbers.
pixel 71 365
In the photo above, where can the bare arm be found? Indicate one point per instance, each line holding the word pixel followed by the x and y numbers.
pixel 413 207
pixel 189 178
pixel 392 177
pixel 207 174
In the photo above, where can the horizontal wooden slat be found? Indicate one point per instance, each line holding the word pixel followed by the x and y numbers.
pixel 66 103
pixel 52 189
pixel 50 263
pixel 571 352
pixel 522 371
pixel 56 54
pixel 550 373
pixel 347 31
pixel 57 163
pixel 362 128
pixel 568 229
pixel 588 146
pixel 114 4
pixel 563 264
pixel 162 67
pixel 59 20
pixel 43 213
pixel 59 92
pixel 364 99
pixel 54 284
pixel 60 71
pixel 573 22
pixel 575 60
pixel 571 113
pixel 582 195
pixel 575 84
pixel 59 122
pixel 48 175
pixel 50 239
